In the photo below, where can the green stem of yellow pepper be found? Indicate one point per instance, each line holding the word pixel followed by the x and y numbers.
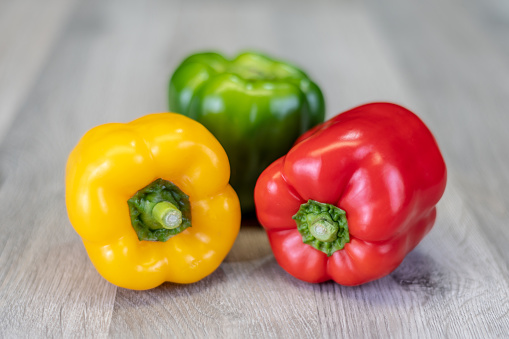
pixel 167 215
pixel 159 211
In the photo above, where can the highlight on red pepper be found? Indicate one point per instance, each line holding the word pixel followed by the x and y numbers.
pixel 353 196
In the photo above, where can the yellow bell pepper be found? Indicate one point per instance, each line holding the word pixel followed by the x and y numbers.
pixel 151 200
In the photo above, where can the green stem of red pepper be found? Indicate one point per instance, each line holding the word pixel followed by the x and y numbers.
pixel 323 226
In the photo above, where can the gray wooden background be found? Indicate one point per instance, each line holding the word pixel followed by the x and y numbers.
pixel 66 66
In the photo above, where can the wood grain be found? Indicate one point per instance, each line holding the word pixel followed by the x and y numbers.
pixel 109 61
pixel 29 29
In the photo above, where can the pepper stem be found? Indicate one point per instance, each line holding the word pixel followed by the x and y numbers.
pixel 323 226
pixel 166 214
pixel 159 211
pixel 324 230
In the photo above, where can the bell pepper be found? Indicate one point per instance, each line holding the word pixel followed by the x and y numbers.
pixel 254 105
pixel 353 196
pixel 151 200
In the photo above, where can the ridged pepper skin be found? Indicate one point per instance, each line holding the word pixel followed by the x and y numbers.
pixel 379 164
pixel 255 106
pixel 112 162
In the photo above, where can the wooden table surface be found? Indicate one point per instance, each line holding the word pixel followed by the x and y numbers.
pixel 66 66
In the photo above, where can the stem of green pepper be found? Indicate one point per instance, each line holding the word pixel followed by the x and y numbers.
pixel 167 215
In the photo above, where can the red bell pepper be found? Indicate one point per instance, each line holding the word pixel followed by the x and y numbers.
pixel 353 196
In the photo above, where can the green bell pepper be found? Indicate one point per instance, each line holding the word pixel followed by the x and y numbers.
pixel 254 105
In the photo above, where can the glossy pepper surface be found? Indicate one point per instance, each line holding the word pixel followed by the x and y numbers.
pixel 254 105
pixel 151 200
pixel 353 196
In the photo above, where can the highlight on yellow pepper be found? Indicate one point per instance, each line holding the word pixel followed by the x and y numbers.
pixel 151 200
